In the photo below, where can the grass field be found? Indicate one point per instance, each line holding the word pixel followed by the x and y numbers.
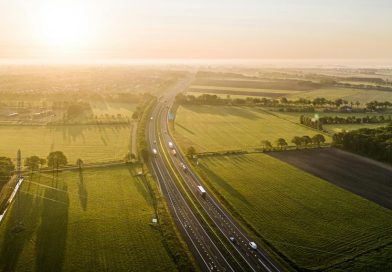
pixel 363 96
pixel 95 221
pixel 91 143
pixel 113 108
pixel 334 128
pixel 238 91
pixel 313 223
pixel 210 128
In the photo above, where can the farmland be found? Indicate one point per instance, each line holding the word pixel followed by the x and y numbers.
pixel 312 223
pixel 293 84
pixel 73 224
pixel 210 128
pixel 112 108
pixel 348 127
pixel 363 96
pixel 240 91
pixel 91 143
pixel 354 173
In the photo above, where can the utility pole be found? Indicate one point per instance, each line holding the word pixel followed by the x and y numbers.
pixel 19 226
pixel 18 164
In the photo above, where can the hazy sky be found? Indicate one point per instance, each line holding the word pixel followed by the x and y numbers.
pixel 196 29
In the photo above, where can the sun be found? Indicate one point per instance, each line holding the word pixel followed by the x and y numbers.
pixel 63 27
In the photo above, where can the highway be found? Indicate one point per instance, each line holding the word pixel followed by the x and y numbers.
pixel 201 243
pixel 209 257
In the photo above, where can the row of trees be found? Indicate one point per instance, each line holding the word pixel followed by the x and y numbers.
pixel 213 99
pixel 354 119
pixel 54 160
pixel 311 122
pixel 374 143
pixel 375 105
pixel 299 141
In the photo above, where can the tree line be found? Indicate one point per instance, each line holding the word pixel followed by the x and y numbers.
pixel 375 143
pixel 298 141
pixel 301 104
pixel 311 122
pixel 354 119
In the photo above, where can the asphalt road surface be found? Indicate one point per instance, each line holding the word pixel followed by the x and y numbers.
pixel 202 244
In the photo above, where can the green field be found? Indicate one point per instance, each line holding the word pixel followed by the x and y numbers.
pixel 210 128
pixel 91 143
pixel 239 89
pixel 335 128
pixel 311 222
pixel 99 220
pixel 113 108
pixel 363 96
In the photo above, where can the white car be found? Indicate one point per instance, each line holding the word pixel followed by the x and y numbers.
pixel 171 145
pixel 253 245
pixel 151 118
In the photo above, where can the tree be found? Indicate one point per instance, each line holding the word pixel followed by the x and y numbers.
pixel 133 157
pixel 42 162
pixel 266 145
pixel 33 163
pixel 57 159
pixel 284 100
pixel 297 141
pixel 191 151
pixel 281 143
pixel 318 139
pixel 79 163
pixel 306 140
pixel 145 155
pixel 127 157
pixel 6 169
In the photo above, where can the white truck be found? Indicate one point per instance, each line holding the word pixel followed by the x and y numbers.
pixel 201 191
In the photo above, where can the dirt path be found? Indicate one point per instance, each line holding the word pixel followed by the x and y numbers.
pixel 362 176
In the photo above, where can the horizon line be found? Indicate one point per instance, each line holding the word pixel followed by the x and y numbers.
pixel 309 62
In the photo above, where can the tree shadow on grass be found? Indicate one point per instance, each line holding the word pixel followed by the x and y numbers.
pixel 141 187
pixel 243 112
pixel 223 184
pixel 82 191
pixel 184 128
pixel 52 233
pixel 21 225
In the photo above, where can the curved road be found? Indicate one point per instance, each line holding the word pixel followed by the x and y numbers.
pixel 201 243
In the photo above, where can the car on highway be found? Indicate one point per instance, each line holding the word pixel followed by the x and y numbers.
pixel 151 118
pixel 232 239
pixel 171 145
pixel 253 245
pixel 183 167
pixel 154 151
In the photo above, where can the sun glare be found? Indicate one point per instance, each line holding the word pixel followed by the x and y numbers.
pixel 63 27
